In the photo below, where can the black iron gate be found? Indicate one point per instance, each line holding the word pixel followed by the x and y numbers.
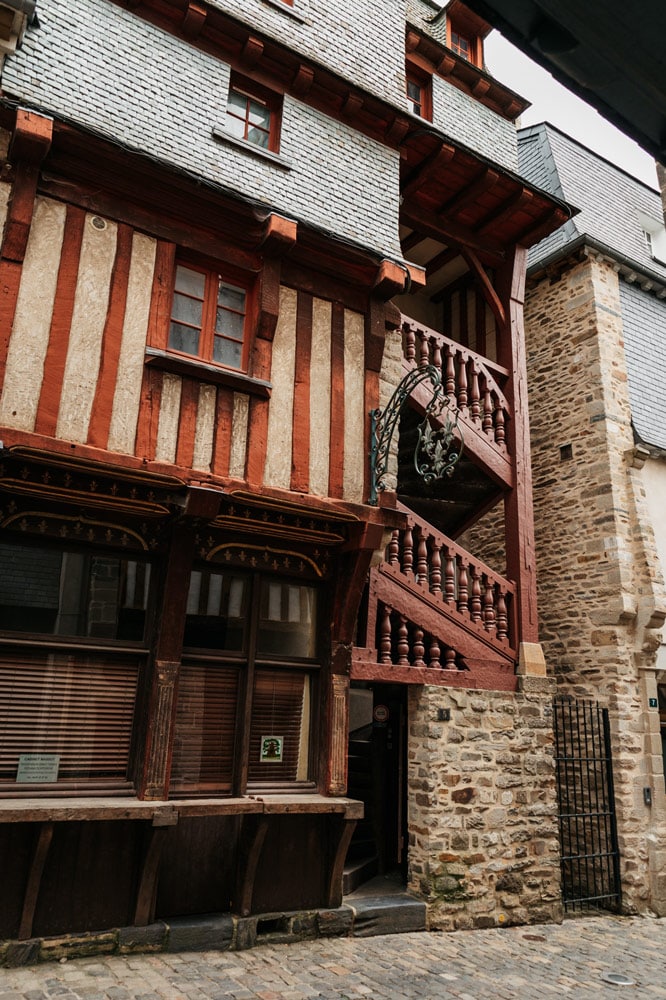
pixel 588 830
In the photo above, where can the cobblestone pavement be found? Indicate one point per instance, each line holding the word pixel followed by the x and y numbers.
pixel 530 963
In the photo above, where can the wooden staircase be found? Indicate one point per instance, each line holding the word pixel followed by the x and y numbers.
pixel 436 614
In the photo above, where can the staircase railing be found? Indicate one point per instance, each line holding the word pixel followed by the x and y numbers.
pixel 433 604
pixel 473 381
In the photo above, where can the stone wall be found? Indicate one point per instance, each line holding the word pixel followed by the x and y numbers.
pixel 598 597
pixel 483 846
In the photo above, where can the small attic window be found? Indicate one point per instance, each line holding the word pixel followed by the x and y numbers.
pixel 654 235
pixel 465 32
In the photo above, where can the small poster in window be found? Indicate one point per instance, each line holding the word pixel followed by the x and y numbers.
pixel 38 767
pixel 271 749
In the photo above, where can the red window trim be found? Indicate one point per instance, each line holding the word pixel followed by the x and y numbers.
pixel 475 42
pixel 263 95
pixel 414 74
pixel 213 275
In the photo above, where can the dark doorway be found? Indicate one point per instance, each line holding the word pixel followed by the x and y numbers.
pixel 377 776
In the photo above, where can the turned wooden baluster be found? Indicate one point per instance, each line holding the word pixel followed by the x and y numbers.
pixel 422 558
pixel 436 568
pixel 450 577
pixel 502 617
pixel 462 382
pixel 409 342
pixel 418 647
pixel 499 424
pixel 450 372
pixel 463 587
pixel 474 394
pixel 436 353
pixel 450 659
pixel 403 643
pixel 393 551
pixel 475 603
pixel 408 551
pixel 385 635
pixel 487 423
pixel 424 353
pixel 434 653
pixel 489 608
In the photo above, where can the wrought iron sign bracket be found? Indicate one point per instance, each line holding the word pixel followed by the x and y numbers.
pixel 438 448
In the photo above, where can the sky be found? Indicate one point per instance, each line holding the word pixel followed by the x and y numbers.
pixel 553 103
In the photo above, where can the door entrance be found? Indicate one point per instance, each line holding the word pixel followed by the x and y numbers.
pixel 377 776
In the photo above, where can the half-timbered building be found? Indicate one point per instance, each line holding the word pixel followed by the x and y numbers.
pixel 263 378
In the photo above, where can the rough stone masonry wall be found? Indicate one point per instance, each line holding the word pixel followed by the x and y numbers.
pixel 483 847
pixel 597 597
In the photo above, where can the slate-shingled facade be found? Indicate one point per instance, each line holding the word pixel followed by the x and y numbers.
pixel 596 343
pixel 229 643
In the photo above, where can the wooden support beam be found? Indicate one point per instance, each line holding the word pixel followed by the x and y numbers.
pixel 411 241
pixel 482 183
pixel 447 231
pixel 352 105
pixel 279 233
pixel 518 512
pixel 396 130
pixel 302 81
pixel 252 52
pixel 194 20
pixel 437 160
pixel 37 863
pixel 31 141
pixel 517 201
pixel 489 293
pixel 341 835
pixel 144 911
pixel 440 260
pixel 253 830
pixel 546 225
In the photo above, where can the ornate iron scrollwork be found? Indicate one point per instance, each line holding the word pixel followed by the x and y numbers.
pixel 438 448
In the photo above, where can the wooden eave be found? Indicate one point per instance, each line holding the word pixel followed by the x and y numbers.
pixel 280 68
pixel 104 177
pixel 437 59
pixel 452 196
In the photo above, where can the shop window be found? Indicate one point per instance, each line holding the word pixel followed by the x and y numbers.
pixel 66 710
pixel 419 92
pixel 209 316
pixel 253 114
pixel 244 712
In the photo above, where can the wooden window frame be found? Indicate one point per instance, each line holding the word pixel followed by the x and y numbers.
pixel 271 100
pixel 124 653
pixel 414 74
pixel 248 662
pixel 214 275
pixel 475 42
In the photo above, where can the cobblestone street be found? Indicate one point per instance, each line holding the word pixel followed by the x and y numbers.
pixel 523 962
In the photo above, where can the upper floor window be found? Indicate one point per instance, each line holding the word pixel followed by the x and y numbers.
pixel 253 114
pixel 461 45
pixel 465 33
pixel 208 317
pixel 419 92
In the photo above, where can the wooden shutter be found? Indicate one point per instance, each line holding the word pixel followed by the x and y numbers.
pixel 205 729
pixel 79 706
pixel 277 710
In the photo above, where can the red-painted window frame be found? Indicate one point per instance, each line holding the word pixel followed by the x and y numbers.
pixel 253 93
pixel 417 77
pixel 213 278
pixel 456 34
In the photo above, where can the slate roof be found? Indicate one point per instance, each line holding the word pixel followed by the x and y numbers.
pixel 613 208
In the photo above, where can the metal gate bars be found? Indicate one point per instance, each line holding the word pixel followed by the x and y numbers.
pixel 590 857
